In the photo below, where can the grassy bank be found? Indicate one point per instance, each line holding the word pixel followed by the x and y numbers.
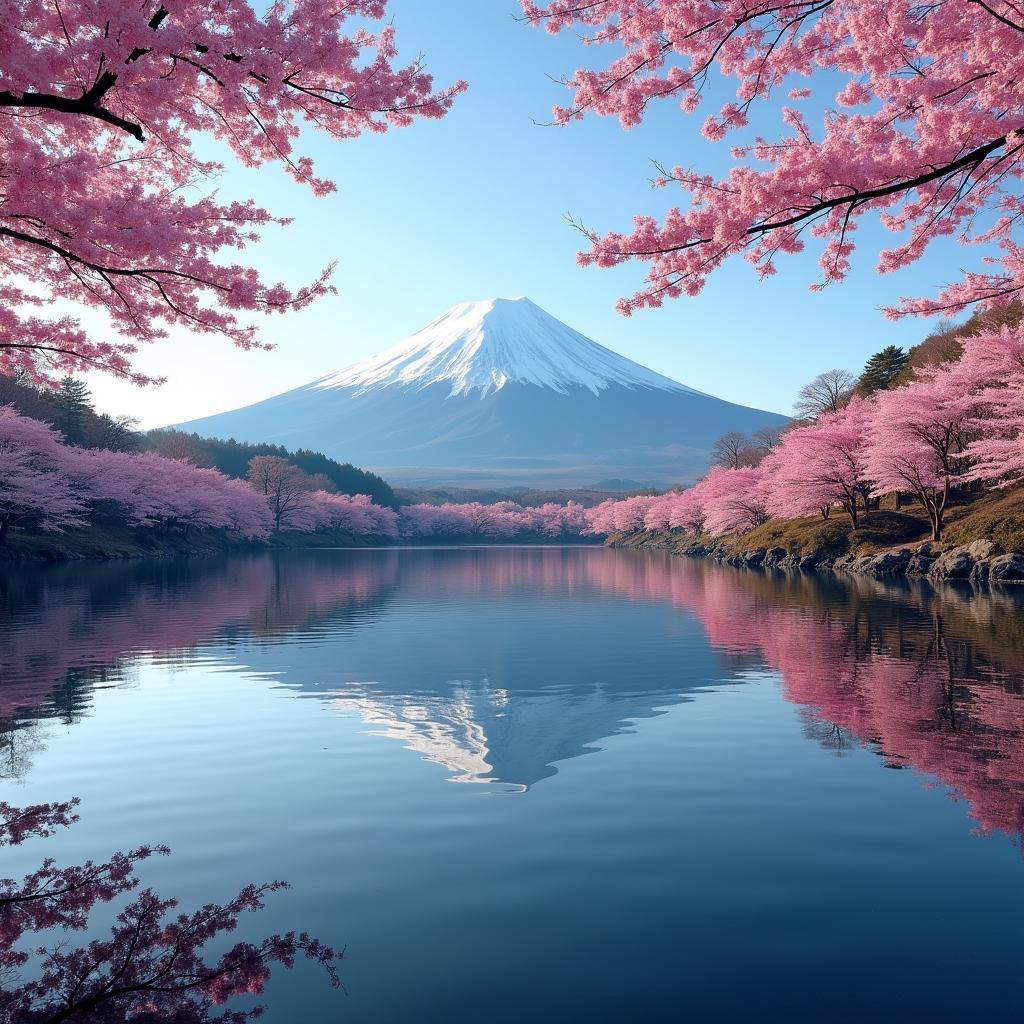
pixel 997 519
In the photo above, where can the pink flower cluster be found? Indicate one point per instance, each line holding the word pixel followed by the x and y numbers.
pixel 107 110
pixel 502 520
pixel 953 424
pixel 356 515
pixel 725 501
pixel 153 964
pixel 49 485
pixel 912 118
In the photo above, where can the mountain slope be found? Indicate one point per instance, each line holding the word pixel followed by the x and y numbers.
pixel 483 346
pixel 498 392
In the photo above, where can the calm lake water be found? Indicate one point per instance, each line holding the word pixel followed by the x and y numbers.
pixel 547 784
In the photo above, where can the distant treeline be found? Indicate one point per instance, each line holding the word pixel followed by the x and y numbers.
pixel 69 409
pixel 528 497
pixel 232 458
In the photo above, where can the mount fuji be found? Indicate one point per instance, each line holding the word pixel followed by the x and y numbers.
pixel 497 392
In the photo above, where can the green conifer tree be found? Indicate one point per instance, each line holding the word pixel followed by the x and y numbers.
pixel 73 404
pixel 882 370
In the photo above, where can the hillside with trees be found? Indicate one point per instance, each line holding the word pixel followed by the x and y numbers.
pixel 61 500
pixel 922 453
pixel 68 408
pixel 233 457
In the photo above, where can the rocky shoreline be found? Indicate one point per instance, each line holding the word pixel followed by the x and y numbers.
pixel 979 562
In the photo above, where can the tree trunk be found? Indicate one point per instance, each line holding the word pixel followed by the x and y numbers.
pixel 936 506
pixel 940 509
pixel 5 525
pixel 851 507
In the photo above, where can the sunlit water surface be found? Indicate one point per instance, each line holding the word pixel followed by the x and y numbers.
pixel 547 784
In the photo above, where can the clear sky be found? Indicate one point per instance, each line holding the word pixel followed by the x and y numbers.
pixel 473 206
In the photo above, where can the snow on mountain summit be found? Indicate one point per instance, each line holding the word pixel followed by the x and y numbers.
pixel 497 393
pixel 482 346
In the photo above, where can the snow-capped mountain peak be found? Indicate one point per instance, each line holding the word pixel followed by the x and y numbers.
pixel 498 393
pixel 482 346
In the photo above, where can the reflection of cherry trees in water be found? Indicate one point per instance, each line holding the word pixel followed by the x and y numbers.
pixel 152 967
pixel 929 679
pixel 71 631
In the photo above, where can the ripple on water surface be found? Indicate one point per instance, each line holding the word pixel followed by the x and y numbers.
pixel 568 783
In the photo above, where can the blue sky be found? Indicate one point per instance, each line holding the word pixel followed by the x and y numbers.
pixel 473 206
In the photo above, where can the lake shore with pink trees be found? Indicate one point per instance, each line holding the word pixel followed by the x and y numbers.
pixel 61 501
pixel 982 543
pixel 923 477
pixel 980 562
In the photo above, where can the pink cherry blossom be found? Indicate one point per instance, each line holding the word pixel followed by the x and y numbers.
pixel 920 127
pixel 916 438
pixel 152 966
pixel 735 500
pixel 992 369
pixel 108 110
pixel 821 465
pixel 356 515
pixel 38 483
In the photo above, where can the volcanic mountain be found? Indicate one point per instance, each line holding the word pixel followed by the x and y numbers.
pixel 497 392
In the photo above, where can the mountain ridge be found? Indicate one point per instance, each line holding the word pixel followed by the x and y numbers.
pixel 482 346
pixel 495 393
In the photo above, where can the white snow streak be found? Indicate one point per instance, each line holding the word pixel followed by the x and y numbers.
pixel 485 345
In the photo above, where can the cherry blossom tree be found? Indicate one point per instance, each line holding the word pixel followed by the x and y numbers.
pixel 554 520
pixel 151 490
pixel 659 512
pixel 501 520
pixel 992 368
pixel 38 476
pixel 687 511
pixel 821 465
pixel 600 517
pixel 245 514
pixel 288 491
pixel 497 521
pixel 916 439
pixel 152 966
pixel 423 520
pixel 734 500
pixel 102 108
pixel 625 515
pixel 47 484
pixel 682 510
pixel 920 126
pixel 353 514
pixel 674 510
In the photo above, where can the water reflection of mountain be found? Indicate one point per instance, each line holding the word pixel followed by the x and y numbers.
pixel 499 663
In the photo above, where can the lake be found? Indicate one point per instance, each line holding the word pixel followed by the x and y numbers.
pixel 547 784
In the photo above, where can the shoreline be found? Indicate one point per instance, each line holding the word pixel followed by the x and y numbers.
pixel 107 545
pixel 980 562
